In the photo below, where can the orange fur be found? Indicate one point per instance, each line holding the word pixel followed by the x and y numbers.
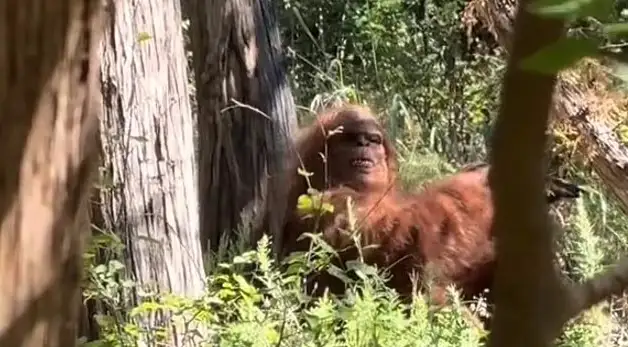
pixel 446 225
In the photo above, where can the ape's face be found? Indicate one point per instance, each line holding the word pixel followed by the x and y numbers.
pixel 357 155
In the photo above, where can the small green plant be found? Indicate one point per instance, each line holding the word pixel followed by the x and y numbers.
pixel 266 307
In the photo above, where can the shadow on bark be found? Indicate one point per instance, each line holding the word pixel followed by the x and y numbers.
pixel 21 327
pixel 246 117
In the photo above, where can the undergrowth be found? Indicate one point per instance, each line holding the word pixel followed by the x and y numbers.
pixel 437 91
pixel 275 312
pixel 251 300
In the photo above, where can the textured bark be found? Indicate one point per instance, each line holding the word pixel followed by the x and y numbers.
pixel 609 157
pixel 49 104
pixel 147 145
pixel 237 56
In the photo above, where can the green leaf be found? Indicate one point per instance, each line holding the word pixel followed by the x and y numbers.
pixel 361 269
pixel 304 204
pixel 244 285
pixel 99 269
pixel 558 9
pixel 304 173
pixel 616 30
pixel 143 36
pixel 327 207
pixel 560 55
pixel 338 273
pixel 598 9
pixel 571 9
pixel 239 259
pixel 116 265
pixel 313 192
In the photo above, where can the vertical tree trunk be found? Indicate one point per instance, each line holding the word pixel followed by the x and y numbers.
pixel 49 106
pixel 237 57
pixel 527 290
pixel 148 149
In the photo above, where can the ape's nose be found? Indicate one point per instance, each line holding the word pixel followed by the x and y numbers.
pixel 361 140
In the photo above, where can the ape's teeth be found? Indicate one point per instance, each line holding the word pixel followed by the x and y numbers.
pixel 362 163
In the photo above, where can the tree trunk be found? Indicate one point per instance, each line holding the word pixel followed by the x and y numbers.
pixel 237 60
pixel 532 301
pixel 49 108
pixel 527 289
pixel 148 149
pixel 609 157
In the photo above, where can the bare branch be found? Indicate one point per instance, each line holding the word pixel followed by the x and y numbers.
pixel 610 282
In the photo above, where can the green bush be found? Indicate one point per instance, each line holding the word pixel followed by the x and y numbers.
pixel 251 301
pixel 234 312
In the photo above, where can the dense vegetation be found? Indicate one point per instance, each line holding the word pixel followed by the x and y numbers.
pixel 436 89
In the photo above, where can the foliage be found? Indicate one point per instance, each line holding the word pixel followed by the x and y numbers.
pixel 265 306
pixel 436 90
pixel 601 33
pixel 252 301
pixel 409 57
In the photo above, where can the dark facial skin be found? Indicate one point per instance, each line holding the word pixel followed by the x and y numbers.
pixel 357 156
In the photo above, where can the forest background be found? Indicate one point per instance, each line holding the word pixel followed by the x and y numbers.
pixel 436 86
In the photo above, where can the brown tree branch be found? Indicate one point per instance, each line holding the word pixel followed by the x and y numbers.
pixel 610 282
pixel 528 292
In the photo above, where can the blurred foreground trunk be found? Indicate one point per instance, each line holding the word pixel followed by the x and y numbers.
pixel 529 302
pixel 150 193
pixel 49 106
pixel 533 302
pixel 246 118
pixel 577 105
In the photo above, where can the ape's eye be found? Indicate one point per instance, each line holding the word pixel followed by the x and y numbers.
pixel 359 137
pixel 348 137
pixel 375 138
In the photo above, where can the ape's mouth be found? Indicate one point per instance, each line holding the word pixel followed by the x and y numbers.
pixel 362 163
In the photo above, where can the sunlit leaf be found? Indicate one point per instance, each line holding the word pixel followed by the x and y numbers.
pixel 116 265
pixel 304 204
pixel 304 173
pixel 622 131
pixel 327 207
pixel 244 285
pixel 143 36
pixel 99 269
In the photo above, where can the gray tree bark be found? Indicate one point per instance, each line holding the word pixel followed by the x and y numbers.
pixel 49 107
pixel 148 149
pixel 237 60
